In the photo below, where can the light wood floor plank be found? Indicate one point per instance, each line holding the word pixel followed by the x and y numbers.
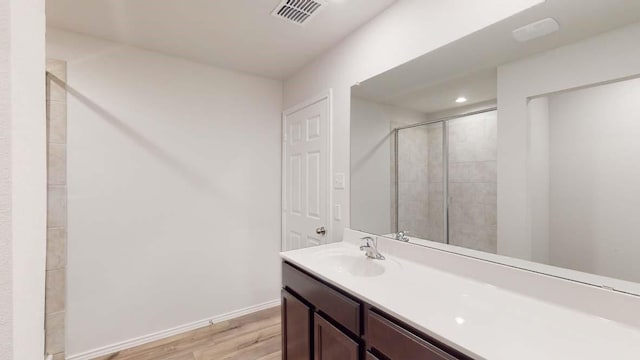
pixel 250 337
pixel 260 349
pixel 274 356
pixel 236 344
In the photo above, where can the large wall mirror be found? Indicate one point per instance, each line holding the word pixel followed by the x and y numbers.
pixel 518 144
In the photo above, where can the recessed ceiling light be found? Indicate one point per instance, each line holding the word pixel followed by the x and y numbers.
pixel 461 100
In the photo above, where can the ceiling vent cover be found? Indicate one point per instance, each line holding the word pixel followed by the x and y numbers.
pixel 298 11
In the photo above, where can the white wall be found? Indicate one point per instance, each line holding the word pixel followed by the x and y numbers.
pixel 6 256
pixel 29 176
pixel 606 57
pixel 539 178
pixel 173 178
pixel 22 179
pixel 371 166
pixel 371 162
pixel 406 30
pixel 594 177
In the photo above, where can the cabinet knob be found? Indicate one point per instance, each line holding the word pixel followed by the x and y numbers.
pixel 321 230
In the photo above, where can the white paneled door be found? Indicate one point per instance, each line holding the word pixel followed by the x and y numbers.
pixel 305 175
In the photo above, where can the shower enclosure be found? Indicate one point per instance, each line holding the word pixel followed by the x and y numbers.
pixel 444 180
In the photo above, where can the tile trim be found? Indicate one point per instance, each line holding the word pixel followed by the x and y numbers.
pixel 123 345
pixel 55 337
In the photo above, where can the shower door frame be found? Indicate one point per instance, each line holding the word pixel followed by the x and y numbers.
pixel 445 164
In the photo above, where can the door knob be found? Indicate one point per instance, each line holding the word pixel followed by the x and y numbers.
pixel 321 230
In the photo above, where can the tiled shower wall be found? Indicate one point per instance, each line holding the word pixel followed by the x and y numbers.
pixel 473 182
pixel 472 153
pixel 55 292
pixel 435 203
pixel 413 184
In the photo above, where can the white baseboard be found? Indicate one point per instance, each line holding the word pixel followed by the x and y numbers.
pixel 123 345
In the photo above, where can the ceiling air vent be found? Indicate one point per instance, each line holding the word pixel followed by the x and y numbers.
pixel 298 11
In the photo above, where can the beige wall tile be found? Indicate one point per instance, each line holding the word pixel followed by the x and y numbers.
pixel 55 291
pixel 461 213
pixel 57 164
pixel 480 171
pixel 475 237
pixel 56 248
pixel 56 89
pixel 57 122
pixel 485 171
pixel 491 214
pixel 54 339
pixel 57 207
pixel 58 68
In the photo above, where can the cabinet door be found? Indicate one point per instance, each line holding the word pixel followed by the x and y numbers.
pixel 296 328
pixel 332 344
pixel 370 356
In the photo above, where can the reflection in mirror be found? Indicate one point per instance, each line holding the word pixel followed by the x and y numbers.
pixel 585 157
pixel 528 150
pixel 437 152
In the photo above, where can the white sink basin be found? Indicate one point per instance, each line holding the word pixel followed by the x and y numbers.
pixel 353 264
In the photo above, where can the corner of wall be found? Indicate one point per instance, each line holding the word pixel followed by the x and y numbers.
pixel 6 258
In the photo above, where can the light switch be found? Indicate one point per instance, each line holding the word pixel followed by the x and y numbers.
pixel 339 181
pixel 337 212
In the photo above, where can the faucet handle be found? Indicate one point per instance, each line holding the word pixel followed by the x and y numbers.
pixel 402 235
pixel 371 248
pixel 368 242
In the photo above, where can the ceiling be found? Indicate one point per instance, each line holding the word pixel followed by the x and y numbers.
pixel 432 82
pixel 479 87
pixel 235 34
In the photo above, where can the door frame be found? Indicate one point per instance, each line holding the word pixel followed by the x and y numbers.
pixel 328 95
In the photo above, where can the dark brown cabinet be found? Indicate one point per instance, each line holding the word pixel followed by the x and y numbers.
pixel 296 328
pixel 394 342
pixel 330 343
pixel 321 322
pixel 370 356
pixel 336 305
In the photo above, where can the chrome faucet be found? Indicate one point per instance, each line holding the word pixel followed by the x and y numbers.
pixel 402 236
pixel 370 248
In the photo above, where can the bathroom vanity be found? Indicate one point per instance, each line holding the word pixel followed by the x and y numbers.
pixel 339 304
pixel 504 205
pixel 323 321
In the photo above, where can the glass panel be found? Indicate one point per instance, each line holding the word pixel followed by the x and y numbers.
pixel 472 181
pixel 420 205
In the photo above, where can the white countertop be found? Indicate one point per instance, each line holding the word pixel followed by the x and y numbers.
pixel 479 319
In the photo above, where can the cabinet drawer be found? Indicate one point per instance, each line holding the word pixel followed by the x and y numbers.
pixel 396 343
pixel 332 303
